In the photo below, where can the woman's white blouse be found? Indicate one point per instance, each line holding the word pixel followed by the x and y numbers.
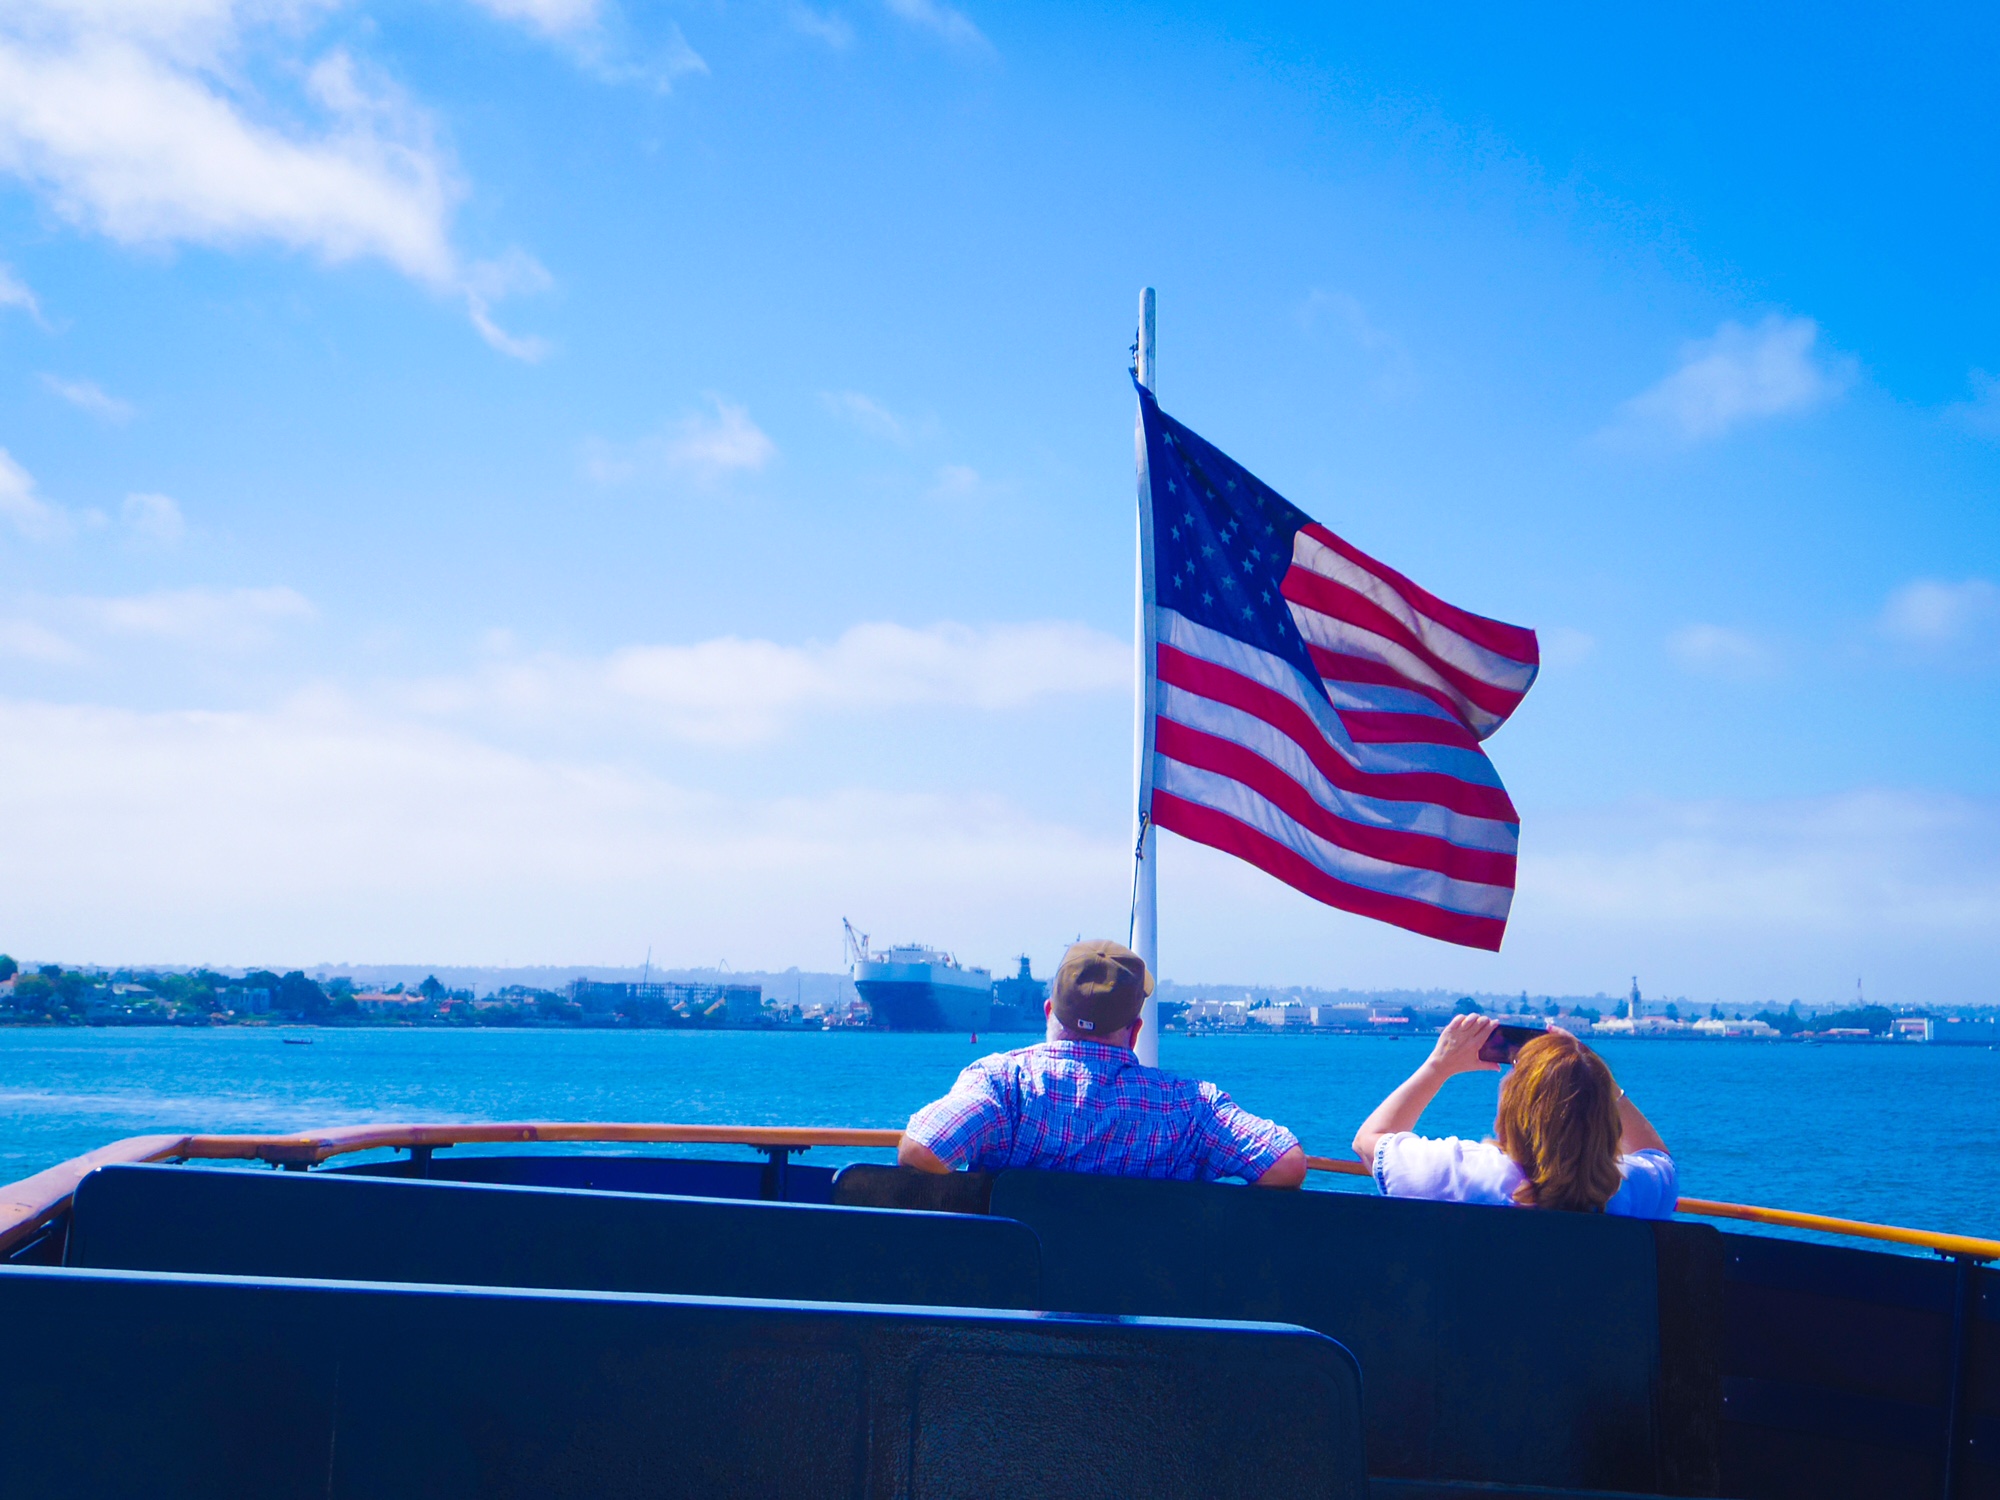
pixel 1455 1171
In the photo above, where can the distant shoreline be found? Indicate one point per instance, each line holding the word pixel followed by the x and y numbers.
pixel 1415 1033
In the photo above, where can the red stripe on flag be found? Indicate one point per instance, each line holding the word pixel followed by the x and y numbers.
pixel 1337 601
pixel 1232 836
pixel 1208 680
pixel 1511 641
pixel 1370 727
pixel 1207 752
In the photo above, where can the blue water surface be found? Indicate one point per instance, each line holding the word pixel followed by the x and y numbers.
pixel 1905 1134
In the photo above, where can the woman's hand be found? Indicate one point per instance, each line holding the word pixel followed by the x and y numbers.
pixel 1457 1049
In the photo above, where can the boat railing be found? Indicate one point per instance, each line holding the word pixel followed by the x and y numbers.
pixel 28 1205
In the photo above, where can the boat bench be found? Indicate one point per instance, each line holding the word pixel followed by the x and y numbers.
pixel 136 1386
pixel 245 1222
pixel 1500 1346
pixel 1848 1374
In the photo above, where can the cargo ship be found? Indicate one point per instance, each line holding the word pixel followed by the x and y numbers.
pixel 916 988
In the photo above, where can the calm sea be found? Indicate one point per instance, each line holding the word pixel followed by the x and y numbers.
pixel 1899 1134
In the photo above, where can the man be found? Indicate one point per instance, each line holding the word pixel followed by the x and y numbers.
pixel 1081 1102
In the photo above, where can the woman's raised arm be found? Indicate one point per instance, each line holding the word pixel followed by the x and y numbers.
pixel 1457 1051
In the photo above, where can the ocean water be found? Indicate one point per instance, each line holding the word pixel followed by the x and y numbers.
pixel 1904 1134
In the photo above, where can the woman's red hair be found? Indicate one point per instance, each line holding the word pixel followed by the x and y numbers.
pixel 1559 1122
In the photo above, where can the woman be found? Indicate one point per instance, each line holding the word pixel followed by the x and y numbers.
pixel 1566 1137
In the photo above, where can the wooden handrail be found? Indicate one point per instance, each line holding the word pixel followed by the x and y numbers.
pixel 27 1205
pixel 1944 1244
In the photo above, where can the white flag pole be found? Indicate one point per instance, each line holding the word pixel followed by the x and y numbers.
pixel 1145 873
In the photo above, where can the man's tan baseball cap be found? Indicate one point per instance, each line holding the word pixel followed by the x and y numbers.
pixel 1101 987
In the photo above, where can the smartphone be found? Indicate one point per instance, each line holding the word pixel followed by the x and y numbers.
pixel 1506 1042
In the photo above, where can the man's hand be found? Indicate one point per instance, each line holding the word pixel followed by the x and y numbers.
pixel 914 1153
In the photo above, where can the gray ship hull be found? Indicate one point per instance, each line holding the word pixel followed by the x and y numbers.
pixel 919 1006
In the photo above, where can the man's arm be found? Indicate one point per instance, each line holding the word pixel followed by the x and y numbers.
pixel 911 1152
pixel 1233 1142
pixel 1288 1171
pixel 1457 1051
pixel 965 1125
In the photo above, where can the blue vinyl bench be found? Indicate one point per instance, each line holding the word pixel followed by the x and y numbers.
pixel 245 1222
pixel 142 1386
pixel 1499 1346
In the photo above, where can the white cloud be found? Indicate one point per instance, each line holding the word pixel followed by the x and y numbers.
pixel 24 640
pixel 1565 646
pixel 89 396
pixel 1980 414
pixel 1739 375
pixel 23 508
pixel 830 28
pixel 705 447
pixel 737 691
pixel 489 282
pixel 955 482
pixel 1860 861
pixel 1717 650
pixel 14 292
pixel 587 31
pixel 1931 612
pixel 941 20
pixel 552 18
pixel 141 123
pixel 156 519
pixel 318 827
pixel 223 619
pixel 132 134
pixel 868 414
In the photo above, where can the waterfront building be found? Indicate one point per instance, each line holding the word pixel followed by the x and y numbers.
pixel 1716 1026
pixel 409 1007
pixel 1224 1013
pixel 1911 1028
pixel 1643 1026
pixel 1340 1017
pixel 1291 1016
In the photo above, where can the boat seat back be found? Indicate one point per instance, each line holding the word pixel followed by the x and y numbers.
pixel 252 1223
pixel 1499 1345
pixel 860 1185
pixel 151 1386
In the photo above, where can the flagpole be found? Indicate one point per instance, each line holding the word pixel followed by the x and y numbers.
pixel 1145 872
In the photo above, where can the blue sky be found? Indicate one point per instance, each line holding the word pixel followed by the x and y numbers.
pixel 526 480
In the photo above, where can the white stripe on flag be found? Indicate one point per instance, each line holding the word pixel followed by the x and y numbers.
pixel 1233 724
pixel 1238 801
pixel 1439 639
pixel 1351 640
pixel 1467 766
pixel 1177 630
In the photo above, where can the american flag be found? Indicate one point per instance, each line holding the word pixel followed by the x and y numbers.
pixel 1317 713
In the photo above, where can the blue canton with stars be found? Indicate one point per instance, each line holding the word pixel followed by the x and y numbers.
pixel 1222 540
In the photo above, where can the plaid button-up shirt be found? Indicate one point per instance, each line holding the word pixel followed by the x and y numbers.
pixel 1088 1107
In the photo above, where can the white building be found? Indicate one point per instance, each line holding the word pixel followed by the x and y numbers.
pixel 1291 1016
